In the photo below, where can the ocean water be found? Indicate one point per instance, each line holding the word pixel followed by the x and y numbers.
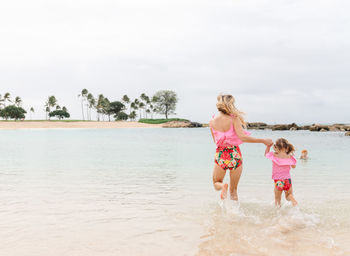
pixel 149 192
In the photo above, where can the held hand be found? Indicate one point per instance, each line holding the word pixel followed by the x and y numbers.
pixel 268 142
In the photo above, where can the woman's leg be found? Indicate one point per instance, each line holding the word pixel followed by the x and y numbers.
pixel 218 177
pixel 235 175
pixel 278 195
pixel 290 197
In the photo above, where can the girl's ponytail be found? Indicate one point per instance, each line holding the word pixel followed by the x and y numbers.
pixel 282 143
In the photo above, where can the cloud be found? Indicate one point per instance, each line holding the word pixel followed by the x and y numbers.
pixel 283 60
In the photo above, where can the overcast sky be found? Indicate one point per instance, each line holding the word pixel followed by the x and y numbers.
pixel 283 60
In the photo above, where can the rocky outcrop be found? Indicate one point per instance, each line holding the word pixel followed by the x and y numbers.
pixel 284 127
pixel 318 128
pixel 181 124
pixel 294 127
pixel 258 125
pixel 347 134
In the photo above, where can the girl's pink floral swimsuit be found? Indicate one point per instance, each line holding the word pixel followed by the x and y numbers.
pixel 281 171
pixel 228 154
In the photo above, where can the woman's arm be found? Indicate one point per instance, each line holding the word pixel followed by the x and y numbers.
pixel 245 138
pixel 211 131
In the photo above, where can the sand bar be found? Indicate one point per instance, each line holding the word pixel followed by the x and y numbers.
pixel 89 125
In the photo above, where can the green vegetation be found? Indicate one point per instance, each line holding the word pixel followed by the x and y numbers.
pixel 60 114
pixel 12 112
pixel 144 107
pixel 161 121
pixel 165 102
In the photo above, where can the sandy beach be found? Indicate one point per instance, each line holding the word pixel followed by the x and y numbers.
pixel 89 125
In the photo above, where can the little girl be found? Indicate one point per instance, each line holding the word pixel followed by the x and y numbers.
pixel 282 161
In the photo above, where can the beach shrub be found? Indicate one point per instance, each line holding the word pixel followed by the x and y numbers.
pixel 161 121
pixel 121 116
pixel 13 112
pixel 165 102
pixel 60 114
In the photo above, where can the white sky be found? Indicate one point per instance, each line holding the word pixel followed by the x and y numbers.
pixel 283 60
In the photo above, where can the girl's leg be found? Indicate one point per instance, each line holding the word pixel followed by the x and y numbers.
pixel 290 197
pixel 235 175
pixel 218 177
pixel 278 195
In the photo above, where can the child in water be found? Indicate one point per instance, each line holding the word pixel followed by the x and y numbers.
pixel 304 154
pixel 282 161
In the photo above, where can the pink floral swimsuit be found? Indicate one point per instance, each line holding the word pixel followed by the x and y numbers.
pixel 228 154
pixel 281 171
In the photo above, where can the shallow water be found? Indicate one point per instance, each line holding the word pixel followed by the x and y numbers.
pixel 149 192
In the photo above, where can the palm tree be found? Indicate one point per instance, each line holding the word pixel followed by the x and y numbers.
pixel 83 95
pixel 31 111
pixel 51 102
pixel 18 101
pixel 134 106
pixel 99 106
pixel 146 101
pixel 141 107
pixel 92 102
pixel 7 97
pixel 132 115
pixel 47 110
pixel 126 101
pixel 106 108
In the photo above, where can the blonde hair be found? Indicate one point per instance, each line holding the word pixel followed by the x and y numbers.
pixel 226 105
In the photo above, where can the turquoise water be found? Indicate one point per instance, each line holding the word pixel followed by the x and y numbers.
pixel 149 192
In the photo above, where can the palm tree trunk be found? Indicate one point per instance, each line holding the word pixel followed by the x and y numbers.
pixel 87 112
pixel 82 109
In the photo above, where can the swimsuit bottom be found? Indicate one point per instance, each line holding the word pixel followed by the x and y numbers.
pixel 283 184
pixel 228 157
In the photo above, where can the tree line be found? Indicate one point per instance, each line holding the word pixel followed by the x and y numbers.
pixel 162 102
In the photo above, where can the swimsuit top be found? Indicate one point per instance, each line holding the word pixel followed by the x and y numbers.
pixel 229 138
pixel 281 166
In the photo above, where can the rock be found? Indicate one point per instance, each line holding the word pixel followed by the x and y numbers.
pixel 256 125
pixel 323 130
pixel 177 124
pixel 347 134
pixel 305 127
pixel 195 125
pixel 181 124
pixel 317 128
pixel 293 129
pixel 280 127
pixel 333 129
pixel 284 127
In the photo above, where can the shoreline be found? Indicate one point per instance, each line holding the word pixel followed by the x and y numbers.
pixel 12 125
pixel 76 124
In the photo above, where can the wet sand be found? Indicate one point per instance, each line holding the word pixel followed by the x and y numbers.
pixel 10 125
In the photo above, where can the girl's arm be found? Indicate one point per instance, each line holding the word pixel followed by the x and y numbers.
pixel 245 138
pixel 267 150
pixel 293 166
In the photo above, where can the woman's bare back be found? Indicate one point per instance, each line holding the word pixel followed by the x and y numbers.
pixel 221 123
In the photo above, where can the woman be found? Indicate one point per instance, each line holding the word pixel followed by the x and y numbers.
pixel 228 133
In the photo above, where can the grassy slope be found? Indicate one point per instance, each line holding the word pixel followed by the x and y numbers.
pixel 160 121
